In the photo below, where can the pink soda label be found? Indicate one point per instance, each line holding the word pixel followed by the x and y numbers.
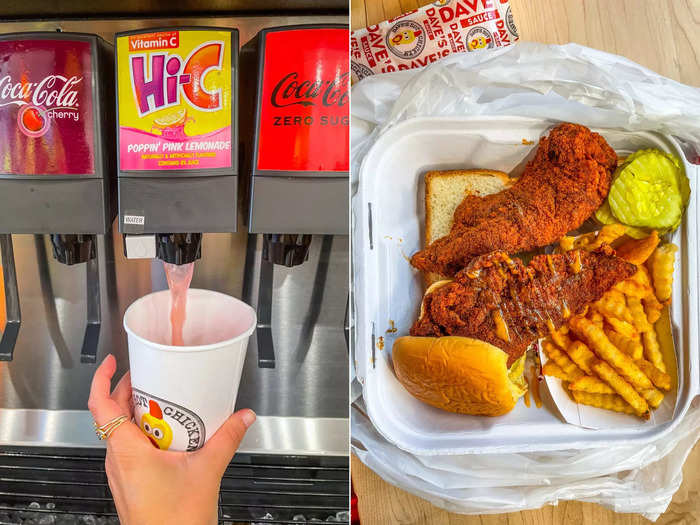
pixel 142 150
pixel 46 115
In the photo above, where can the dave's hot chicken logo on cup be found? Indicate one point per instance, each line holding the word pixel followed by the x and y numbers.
pixel 168 425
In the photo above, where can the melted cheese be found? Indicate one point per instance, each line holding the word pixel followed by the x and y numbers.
pixel 501 326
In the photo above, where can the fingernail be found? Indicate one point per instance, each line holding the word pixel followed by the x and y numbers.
pixel 248 417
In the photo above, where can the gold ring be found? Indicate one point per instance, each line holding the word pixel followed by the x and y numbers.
pixel 104 431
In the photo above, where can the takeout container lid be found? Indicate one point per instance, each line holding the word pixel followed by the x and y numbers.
pixel 388 212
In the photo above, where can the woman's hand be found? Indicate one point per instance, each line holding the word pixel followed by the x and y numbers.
pixel 152 486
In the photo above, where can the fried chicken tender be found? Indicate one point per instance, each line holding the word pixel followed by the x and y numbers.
pixel 503 302
pixel 567 180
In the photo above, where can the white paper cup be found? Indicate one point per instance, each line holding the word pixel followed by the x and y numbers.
pixel 183 394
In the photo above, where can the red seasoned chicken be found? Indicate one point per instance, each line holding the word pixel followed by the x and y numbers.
pixel 567 180
pixel 503 302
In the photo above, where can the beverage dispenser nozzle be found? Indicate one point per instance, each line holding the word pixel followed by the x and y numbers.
pixel 73 249
pixel 179 248
pixel 286 249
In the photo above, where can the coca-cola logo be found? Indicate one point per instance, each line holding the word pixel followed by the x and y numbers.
pixel 55 97
pixel 290 91
pixel 54 91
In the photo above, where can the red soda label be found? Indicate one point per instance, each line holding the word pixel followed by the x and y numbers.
pixel 304 108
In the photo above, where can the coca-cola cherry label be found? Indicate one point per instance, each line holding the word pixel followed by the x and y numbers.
pixel 304 107
pixel 46 116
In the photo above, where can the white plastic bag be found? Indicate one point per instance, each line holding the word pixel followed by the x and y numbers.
pixel 626 479
pixel 569 83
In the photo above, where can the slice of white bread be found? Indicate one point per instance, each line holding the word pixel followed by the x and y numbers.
pixel 445 190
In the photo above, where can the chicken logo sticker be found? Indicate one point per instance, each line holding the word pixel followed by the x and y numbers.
pixel 479 38
pixel 479 42
pixel 167 425
pixel 406 39
pixel 360 70
pixel 155 428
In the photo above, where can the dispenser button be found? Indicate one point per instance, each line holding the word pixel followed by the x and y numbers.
pixel 140 246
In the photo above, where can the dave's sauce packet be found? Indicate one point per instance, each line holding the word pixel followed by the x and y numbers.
pixel 423 36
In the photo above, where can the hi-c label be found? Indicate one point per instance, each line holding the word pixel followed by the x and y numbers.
pixel 175 100
pixel 160 83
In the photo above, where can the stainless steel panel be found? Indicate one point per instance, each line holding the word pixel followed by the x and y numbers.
pixel 269 435
pixel 310 377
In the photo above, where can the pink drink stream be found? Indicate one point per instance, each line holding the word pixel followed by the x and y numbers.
pixel 179 278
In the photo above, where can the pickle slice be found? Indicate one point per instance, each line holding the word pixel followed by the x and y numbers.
pixel 650 190
pixel 604 215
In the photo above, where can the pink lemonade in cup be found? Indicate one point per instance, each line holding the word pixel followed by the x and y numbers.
pixel 179 278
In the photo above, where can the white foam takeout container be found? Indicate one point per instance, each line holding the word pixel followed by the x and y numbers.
pixel 389 220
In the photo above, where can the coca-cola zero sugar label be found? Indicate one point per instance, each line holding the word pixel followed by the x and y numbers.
pixel 46 115
pixel 304 108
pixel 174 100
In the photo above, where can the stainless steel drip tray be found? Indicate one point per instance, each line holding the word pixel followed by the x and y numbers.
pixel 269 435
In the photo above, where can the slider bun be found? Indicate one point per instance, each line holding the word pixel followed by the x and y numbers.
pixel 459 374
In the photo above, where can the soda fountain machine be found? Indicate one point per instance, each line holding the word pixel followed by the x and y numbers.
pixel 174 169
pixel 57 167
pixel 296 155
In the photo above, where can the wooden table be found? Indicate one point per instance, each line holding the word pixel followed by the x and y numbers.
pixel 663 35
